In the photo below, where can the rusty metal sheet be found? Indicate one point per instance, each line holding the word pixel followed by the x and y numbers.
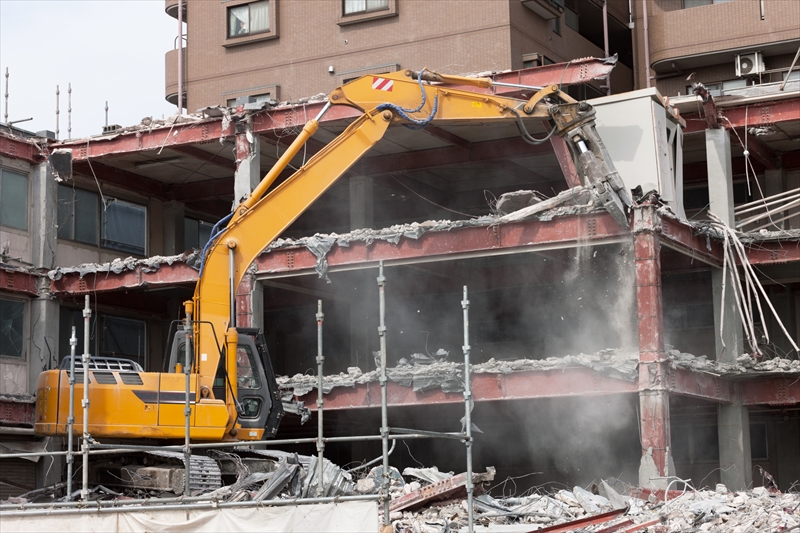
pixel 700 385
pixel 776 391
pixel 749 115
pixel 19 149
pixel 17 411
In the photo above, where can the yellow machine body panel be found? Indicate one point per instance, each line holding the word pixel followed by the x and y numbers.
pixel 138 405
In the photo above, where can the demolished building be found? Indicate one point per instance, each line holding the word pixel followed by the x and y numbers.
pixel 595 348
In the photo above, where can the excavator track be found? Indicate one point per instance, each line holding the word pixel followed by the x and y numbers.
pixel 204 474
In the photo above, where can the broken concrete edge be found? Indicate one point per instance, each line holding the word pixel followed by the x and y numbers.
pixel 612 363
pixel 450 487
pixel 120 265
pixel 321 244
pixel 707 228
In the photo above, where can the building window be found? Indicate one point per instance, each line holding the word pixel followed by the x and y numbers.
pixel 251 99
pixel 78 214
pixel 124 226
pixel 555 25
pixel 352 7
pixel 196 233
pixel 123 337
pixel 120 226
pixel 716 89
pixel 13 199
pixel 248 19
pixel 12 328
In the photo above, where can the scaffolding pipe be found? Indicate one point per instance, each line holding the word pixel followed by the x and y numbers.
pixel 384 410
pixel 320 401
pixel 87 317
pixel 58 99
pixel 187 409
pixel 180 57
pixel 73 343
pixel 468 414
pixel 110 449
pixel 69 111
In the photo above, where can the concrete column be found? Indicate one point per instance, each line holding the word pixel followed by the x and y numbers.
pixel 720 174
pixel 43 311
pixel 361 202
pixel 656 461
pixel 44 227
pixel 733 421
pixel 155 223
pixel 773 184
pixel 173 227
pixel 248 162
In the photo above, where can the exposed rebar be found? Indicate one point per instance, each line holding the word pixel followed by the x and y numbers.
pixel 320 401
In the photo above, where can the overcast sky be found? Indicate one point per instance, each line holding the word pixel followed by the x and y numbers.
pixel 108 49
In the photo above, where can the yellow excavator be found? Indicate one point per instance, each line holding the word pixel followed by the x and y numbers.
pixel 233 392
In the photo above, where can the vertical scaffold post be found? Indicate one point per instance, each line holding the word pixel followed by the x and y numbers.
pixel 87 329
pixel 73 342
pixel 320 403
pixel 384 409
pixel 187 409
pixel 468 412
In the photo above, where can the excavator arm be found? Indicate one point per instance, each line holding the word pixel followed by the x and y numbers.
pixel 413 99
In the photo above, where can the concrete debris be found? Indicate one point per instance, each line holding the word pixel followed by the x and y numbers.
pixel 572 201
pixel 745 363
pixel 448 376
pixel 119 265
pixel 711 231
pixel 713 511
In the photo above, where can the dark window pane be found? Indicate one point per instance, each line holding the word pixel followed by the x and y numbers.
pixel 706 444
pixel 189 233
pixel 66 212
pixel 123 337
pixel 246 369
pixel 14 200
pixel 758 442
pixel 124 227
pixel 12 333
pixel 204 233
pixel 86 209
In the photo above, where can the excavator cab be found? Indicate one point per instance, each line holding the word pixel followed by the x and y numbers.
pixel 258 401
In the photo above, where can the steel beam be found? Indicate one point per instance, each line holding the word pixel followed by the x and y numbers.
pixel 764 114
pixel 775 391
pixel 681 238
pixel 271 120
pixel 139 278
pixel 565 160
pixel 17 411
pixel 19 149
pixel 530 235
pixel 700 385
pixel 18 282
pixel 567 382
pixel 773 252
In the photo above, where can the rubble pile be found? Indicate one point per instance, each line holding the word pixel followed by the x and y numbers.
pixel 425 372
pixel 605 509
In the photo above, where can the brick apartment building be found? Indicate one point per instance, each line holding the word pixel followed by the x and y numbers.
pixel 540 288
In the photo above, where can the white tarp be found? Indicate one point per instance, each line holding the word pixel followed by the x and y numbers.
pixel 355 517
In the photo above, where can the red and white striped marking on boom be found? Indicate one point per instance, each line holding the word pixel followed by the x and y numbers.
pixel 382 84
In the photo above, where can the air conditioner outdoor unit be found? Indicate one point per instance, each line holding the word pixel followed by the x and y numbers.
pixel 749 64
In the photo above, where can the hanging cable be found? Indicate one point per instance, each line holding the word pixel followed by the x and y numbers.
pixel 418 124
pixel 215 232
pixel 527 137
